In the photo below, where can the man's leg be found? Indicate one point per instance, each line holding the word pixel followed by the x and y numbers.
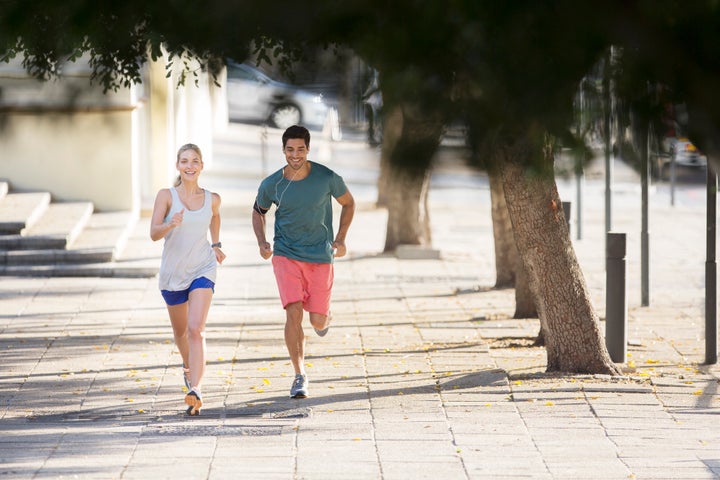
pixel 319 321
pixel 295 337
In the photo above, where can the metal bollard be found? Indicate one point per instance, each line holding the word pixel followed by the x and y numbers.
pixel 615 297
pixel 566 211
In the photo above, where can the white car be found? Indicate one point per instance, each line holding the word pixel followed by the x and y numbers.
pixel 684 153
pixel 254 97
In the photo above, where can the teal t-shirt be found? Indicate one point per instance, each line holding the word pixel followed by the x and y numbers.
pixel 303 215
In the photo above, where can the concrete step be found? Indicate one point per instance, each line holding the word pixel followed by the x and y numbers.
pixel 112 244
pixel 57 228
pixel 106 269
pixel 19 211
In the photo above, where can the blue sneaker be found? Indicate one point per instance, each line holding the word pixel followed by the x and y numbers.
pixel 299 387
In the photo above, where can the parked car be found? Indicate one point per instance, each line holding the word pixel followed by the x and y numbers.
pixel 685 154
pixel 255 97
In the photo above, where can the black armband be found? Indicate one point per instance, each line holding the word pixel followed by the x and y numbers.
pixel 259 209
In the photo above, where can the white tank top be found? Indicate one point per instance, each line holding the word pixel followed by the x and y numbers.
pixel 187 254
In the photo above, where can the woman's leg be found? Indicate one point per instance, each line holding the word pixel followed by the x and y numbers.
pixel 179 321
pixel 198 308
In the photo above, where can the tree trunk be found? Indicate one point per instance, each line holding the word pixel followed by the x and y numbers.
pixel 567 317
pixel 408 178
pixel 392 129
pixel 524 299
pixel 509 270
pixel 505 250
pixel 408 217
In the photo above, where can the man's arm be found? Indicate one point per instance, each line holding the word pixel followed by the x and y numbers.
pixel 347 202
pixel 258 223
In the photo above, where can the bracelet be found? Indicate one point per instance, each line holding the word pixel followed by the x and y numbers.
pixel 218 244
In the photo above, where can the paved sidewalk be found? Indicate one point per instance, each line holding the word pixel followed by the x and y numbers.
pixel 424 374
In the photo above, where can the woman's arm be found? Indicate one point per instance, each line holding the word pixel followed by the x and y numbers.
pixel 215 227
pixel 158 227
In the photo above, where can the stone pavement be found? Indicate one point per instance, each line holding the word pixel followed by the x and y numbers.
pixel 424 373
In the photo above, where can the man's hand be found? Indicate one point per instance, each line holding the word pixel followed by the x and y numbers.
pixel 266 250
pixel 339 248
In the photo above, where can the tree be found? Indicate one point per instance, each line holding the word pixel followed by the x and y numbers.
pixel 517 63
pixel 418 56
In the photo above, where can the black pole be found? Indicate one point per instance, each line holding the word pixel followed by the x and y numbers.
pixel 645 231
pixel 615 297
pixel 711 270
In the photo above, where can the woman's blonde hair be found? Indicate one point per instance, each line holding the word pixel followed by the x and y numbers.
pixel 187 146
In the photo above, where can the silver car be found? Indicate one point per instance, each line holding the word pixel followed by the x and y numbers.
pixel 686 154
pixel 255 97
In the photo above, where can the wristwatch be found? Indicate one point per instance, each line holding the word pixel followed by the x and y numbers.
pixel 218 244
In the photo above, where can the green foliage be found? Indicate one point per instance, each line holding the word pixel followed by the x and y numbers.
pixel 506 68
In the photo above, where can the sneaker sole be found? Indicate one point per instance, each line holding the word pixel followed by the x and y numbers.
pixel 299 395
pixel 323 332
pixel 194 403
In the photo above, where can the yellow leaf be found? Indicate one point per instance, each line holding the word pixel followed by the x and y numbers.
pixel 266 381
pixel 649 361
pixel 698 392
pixel 130 400
pixel 220 359
pixel 549 404
pixel 356 439
pixel 140 410
pixel 259 390
pixel 309 365
pixel 330 410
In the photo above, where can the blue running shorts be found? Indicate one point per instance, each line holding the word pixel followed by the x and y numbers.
pixel 176 297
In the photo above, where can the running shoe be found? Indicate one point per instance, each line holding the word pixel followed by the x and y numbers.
pixel 323 332
pixel 299 387
pixel 194 401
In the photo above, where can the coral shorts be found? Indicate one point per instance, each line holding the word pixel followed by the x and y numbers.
pixel 309 283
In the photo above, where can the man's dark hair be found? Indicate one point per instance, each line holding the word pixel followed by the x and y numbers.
pixel 296 131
